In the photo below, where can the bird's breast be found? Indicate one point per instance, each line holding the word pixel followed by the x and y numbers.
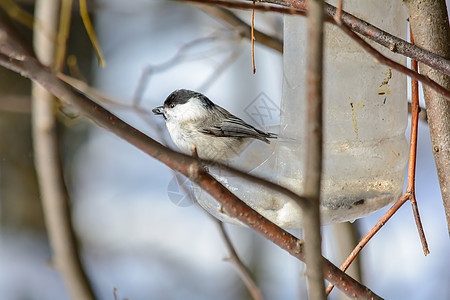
pixel 182 136
pixel 186 136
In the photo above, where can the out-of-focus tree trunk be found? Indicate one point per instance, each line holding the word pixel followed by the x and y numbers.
pixel 429 22
pixel 20 206
pixel 19 196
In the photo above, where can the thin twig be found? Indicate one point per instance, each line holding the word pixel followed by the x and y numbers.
pixel 219 70
pixel 412 154
pixel 91 33
pixel 253 38
pixel 15 12
pixel 179 56
pixel 429 23
pixel 345 237
pixel 250 6
pixel 395 65
pixel 55 199
pixel 422 112
pixel 97 95
pixel 243 28
pixel 314 149
pixel 243 272
pixel 63 34
pixel 371 234
pixel 338 15
pixel 15 56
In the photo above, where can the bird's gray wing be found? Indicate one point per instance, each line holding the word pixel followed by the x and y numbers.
pixel 232 126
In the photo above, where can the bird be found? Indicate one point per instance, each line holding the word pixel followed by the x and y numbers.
pixel 201 128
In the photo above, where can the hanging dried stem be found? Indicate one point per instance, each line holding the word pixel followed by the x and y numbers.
pixel 91 33
pixel 65 17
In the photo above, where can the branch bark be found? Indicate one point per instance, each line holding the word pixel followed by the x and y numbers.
pixel 430 27
pixel 313 161
pixel 14 56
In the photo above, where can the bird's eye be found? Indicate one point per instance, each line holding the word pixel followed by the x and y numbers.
pixel 172 105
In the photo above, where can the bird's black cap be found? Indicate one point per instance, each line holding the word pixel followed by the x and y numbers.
pixel 182 96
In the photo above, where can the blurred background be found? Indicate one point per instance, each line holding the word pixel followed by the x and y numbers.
pixel 138 232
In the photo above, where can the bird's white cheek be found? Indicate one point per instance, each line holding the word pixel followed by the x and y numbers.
pixel 192 110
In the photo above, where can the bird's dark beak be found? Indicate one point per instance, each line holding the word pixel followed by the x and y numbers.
pixel 158 110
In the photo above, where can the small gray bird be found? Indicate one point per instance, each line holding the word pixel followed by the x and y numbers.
pixel 195 123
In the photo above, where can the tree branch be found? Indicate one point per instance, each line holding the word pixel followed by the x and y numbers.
pixel 430 27
pixel 444 91
pixel 422 112
pixel 313 161
pixel 14 56
pixel 243 272
pixel 411 187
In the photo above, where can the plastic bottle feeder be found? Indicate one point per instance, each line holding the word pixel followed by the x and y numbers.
pixel 365 117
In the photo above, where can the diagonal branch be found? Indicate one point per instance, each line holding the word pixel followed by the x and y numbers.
pixel 14 56
pixel 395 65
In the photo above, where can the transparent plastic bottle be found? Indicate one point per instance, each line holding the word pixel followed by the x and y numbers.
pixel 365 117
pixel 365 150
